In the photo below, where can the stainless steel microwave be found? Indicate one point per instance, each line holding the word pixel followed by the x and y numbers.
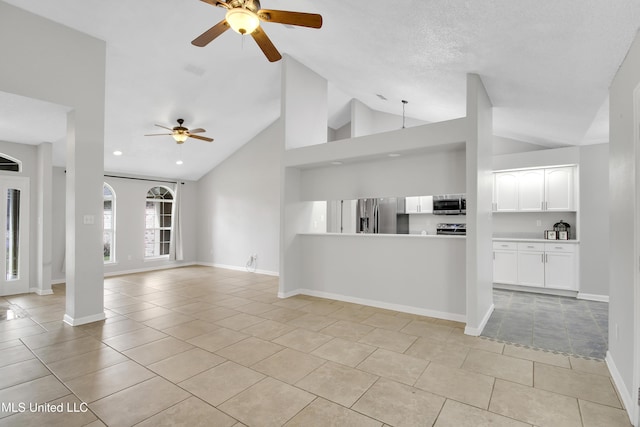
pixel 450 204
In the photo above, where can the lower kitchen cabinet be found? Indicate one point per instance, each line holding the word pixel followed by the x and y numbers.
pixel 560 266
pixel 531 264
pixel 505 263
pixel 536 264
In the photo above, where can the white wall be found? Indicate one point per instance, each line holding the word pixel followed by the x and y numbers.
pixel 130 205
pixel 408 273
pixel 239 205
pixel 624 309
pixel 305 95
pixel 502 145
pixel 433 173
pixel 366 121
pixel 594 219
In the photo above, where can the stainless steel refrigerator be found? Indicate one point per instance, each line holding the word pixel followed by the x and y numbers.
pixel 382 215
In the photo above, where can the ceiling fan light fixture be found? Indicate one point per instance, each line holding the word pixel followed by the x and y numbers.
pixel 180 137
pixel 242 21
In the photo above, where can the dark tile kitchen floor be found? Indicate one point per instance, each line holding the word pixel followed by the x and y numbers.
pixel 550 322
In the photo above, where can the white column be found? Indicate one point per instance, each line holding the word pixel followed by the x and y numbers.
pixel 479 197
pixel 84 255
pixel 44 209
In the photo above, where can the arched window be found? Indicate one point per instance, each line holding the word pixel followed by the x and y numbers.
pixel 157 234
pixel 109 223
pixel 9 164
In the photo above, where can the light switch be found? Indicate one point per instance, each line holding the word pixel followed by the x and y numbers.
pixel 88 220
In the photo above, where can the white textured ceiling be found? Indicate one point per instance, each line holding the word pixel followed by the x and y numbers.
pixel 547 66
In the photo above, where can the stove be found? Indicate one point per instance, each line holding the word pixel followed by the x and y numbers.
pixel 451 229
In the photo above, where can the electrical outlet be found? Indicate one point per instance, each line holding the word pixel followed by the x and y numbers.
pixel 538 223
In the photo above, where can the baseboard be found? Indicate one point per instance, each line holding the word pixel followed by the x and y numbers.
pixel 477 331
pixel 39 291
pixel 627 400
pixel 593 297
pixel 146 269
pixel 378 304
pixel 536 290
pixel 239 268
pixel 83 320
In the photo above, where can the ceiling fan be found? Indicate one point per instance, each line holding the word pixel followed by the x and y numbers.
pixel 181 133
pixel 244 17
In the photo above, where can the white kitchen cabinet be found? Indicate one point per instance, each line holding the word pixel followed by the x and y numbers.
pixel 535 190
pixel 560 266
pixel 426 204
pixel 536 264
pixel 419 204
pixel 531 264
pixel 531 190
pixel 412 204
pixel 559 189
pixel 505 192
pixel 505 263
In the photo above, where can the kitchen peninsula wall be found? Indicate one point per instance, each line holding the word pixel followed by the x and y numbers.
pixel 434 159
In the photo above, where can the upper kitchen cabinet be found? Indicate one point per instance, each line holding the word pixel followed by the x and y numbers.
pixel 531 190
pixel 419 204
pixel 559 189
pixel 505 193
pixel 535 190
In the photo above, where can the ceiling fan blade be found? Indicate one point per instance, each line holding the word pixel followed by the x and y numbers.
pixel 164 127
pixel 265 44
pixel 158 134
pixel 207 37
pixel 215 3
pixel 311 20
pixel 203 138
pixel 197 130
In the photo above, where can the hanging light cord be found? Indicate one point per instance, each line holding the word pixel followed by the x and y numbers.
pixel 404 103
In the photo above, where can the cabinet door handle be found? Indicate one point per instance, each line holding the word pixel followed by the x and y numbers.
pixel 542 255
pixel 558 247
pixel 494 256
pixel 530 247
pixel 546 258
pixel 505 246
pixel 541 206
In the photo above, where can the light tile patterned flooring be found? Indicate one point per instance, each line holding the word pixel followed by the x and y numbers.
pixel 200 346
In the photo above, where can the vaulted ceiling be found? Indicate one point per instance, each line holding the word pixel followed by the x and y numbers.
pixel 547 66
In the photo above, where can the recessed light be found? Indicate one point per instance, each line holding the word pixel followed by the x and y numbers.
pixel 394 155
pixel 336 163
pixel 117 153
pixel 179 162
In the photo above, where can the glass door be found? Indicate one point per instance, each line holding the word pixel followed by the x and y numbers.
pixel 14 234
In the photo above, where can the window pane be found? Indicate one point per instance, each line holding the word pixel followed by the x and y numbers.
pixel 13 236
pixel 9 165
pixel 107 239
pixel 158 209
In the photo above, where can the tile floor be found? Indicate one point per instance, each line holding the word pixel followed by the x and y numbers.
pixel 561 324
pixel 200 346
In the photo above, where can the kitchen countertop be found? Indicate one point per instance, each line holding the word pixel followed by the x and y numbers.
pixel 537 240
pixel 380 235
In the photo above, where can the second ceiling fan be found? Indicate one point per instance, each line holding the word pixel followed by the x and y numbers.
pixel 244 17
